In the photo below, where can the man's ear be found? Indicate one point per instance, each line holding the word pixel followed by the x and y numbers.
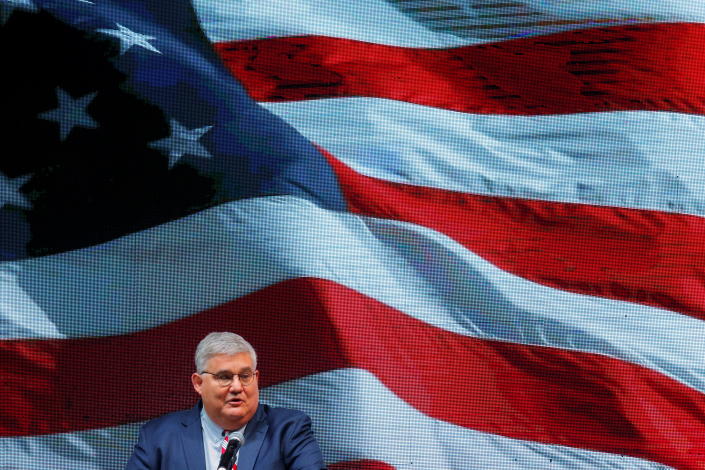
pixel 197 382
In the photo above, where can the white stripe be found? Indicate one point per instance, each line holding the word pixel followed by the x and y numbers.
pixel 172 271
pixel 20 316
pixel 637 159
pixel 354 417
pixel 385 22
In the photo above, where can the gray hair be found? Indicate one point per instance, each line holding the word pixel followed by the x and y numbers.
pixel 222 342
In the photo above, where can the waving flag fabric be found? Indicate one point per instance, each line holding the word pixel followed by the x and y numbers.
pixel 460 234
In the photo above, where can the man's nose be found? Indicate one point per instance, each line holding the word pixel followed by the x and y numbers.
pixel 236 385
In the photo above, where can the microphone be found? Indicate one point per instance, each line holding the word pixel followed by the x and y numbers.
pixel 227 459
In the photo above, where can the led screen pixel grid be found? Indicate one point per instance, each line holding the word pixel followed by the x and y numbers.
pixel 460 235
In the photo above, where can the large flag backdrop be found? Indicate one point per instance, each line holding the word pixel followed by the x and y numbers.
pixel 460 234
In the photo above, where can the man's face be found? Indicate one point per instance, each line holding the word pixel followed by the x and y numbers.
pixel 233 406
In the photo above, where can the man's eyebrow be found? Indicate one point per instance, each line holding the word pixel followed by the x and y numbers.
pixel 242 371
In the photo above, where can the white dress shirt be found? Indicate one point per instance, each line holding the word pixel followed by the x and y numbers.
pixel 213 440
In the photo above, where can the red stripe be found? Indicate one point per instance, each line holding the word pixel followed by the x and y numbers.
pixel 304 326
pixel 636 67
pixel 648 257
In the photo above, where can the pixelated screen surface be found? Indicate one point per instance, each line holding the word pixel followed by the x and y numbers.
pixel 460 234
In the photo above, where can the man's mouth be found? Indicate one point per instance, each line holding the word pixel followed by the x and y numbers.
pixel 235 402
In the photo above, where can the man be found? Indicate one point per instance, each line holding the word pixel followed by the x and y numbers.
pixel 227 378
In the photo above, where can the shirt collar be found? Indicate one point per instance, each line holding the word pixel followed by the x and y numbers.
pixel 211 431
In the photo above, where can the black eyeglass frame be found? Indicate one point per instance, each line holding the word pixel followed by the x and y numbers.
pixel 226 382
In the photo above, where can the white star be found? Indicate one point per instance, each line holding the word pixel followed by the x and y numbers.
pixel 182 142
pixel 129 38
pixel 70 113
pixel 8 6
pixel 10 192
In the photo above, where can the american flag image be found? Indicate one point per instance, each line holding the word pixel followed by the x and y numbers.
pixel 460 234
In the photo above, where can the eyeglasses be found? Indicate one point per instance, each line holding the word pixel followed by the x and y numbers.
pixel 225 379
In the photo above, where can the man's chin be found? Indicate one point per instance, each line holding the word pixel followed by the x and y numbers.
pixel 234 411
pixel 234 406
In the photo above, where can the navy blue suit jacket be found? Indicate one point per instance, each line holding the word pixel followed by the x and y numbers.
pixel 275 439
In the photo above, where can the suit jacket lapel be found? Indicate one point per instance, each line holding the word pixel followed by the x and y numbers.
pixel 192 440
pixel 254 437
